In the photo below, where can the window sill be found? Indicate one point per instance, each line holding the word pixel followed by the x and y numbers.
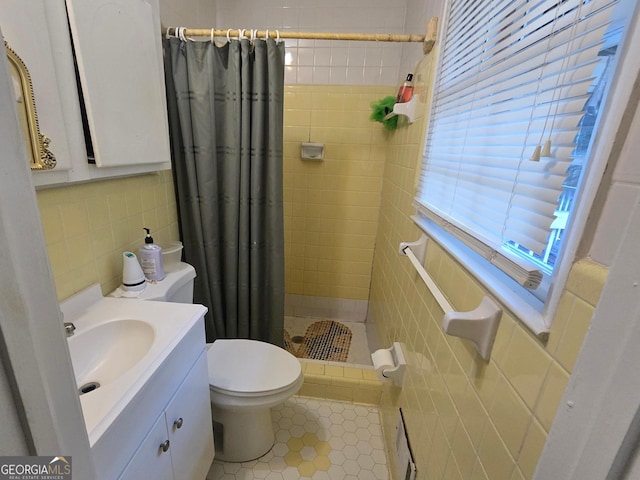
pixel 526 308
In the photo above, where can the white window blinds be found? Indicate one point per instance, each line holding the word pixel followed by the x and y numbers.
pixel 514 76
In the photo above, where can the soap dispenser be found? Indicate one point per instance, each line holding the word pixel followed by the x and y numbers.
pixel 150 256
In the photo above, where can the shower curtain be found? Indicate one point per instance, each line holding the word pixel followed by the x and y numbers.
pixel 225 119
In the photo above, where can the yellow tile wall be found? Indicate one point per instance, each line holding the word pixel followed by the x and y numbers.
pixel 331 207
pixel 466 419
pixel 88 226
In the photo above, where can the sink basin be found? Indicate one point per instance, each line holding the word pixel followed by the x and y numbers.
pixel 122 344
pixel 103 353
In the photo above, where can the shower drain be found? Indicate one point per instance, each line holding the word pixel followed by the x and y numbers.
pixel 297 339
pixel 88 387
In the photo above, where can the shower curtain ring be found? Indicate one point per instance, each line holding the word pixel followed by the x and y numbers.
pixel 277 36
pixel 167 34
pixel 266 34
pixel 228 35
pixel 212 36
pixel 241 33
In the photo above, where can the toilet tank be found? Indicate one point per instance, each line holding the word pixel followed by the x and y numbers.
pixel 177 286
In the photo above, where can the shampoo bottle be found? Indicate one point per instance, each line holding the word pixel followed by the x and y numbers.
pixel 405 92
pixel 150 256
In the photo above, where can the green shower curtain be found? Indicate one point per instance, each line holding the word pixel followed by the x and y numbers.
pixel 225 119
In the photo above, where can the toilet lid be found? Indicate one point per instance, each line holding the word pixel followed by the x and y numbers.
pixel 250 366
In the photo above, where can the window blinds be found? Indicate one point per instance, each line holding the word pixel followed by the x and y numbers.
pixel 513 74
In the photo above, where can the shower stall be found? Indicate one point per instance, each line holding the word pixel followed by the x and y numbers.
pixel 331 206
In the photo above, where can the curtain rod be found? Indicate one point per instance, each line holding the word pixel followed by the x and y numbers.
pixel 427 40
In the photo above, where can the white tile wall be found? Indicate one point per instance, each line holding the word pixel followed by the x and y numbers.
pixel 191 13
pixel 321 62
pixel 324 61
pixel 312 306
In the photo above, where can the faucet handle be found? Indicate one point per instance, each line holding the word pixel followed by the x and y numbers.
pixel 69 328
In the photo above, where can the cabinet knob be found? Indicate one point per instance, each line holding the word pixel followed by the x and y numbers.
pixel 178 423
pixel 164 446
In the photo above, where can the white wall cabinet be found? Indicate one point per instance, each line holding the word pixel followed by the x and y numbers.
pixel 119 57
pixel 35 49
pixel 179 446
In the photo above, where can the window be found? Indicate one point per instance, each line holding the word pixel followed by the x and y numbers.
pixel 519 87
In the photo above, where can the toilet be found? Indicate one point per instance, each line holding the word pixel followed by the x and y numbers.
pixel 246 379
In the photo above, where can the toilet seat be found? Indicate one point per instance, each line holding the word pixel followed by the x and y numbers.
pixel 247 368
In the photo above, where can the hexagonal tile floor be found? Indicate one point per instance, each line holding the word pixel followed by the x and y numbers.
pixel 317 439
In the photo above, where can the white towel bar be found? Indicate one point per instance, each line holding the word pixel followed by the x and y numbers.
pixel 479 326
pixel 440 298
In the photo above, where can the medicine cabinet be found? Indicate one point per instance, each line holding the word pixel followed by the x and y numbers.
pixel 96 68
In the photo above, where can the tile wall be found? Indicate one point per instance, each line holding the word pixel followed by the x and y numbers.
pixel 331 207
pixel 88 226
pixel 466 419
pixel 323 61
pixel 187 13
pixel 335 381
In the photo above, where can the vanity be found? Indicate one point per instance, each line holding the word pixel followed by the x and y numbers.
pixel 143 367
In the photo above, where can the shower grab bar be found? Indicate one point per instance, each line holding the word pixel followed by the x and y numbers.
pixel 479 326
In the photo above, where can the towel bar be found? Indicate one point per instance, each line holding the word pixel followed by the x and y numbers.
pixel 478 326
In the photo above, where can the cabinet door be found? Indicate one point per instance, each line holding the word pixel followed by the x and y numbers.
pixel 189 423
pixel 150 461
pixel 24 27
pixel 119 55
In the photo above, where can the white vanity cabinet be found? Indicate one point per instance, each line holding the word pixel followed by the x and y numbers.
pixel 179 445
pixel 150 461
pixel 130 448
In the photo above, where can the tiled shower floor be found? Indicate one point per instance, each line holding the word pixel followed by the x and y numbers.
pixel 318 440
pixel 359 352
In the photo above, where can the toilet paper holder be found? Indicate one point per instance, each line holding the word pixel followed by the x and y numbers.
pixel 390 363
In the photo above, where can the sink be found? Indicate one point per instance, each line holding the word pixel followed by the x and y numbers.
pixel 103 353
pixel 120 345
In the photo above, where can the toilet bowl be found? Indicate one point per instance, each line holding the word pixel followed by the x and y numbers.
pixel 246 379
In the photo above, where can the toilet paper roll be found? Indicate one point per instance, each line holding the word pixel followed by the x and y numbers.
pixel 382 360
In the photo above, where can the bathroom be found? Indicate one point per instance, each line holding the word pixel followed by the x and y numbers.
pixel 466 419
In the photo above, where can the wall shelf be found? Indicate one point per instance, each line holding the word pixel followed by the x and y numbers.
pixel 407 109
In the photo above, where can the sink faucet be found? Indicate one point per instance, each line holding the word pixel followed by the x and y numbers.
pixel 70 328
